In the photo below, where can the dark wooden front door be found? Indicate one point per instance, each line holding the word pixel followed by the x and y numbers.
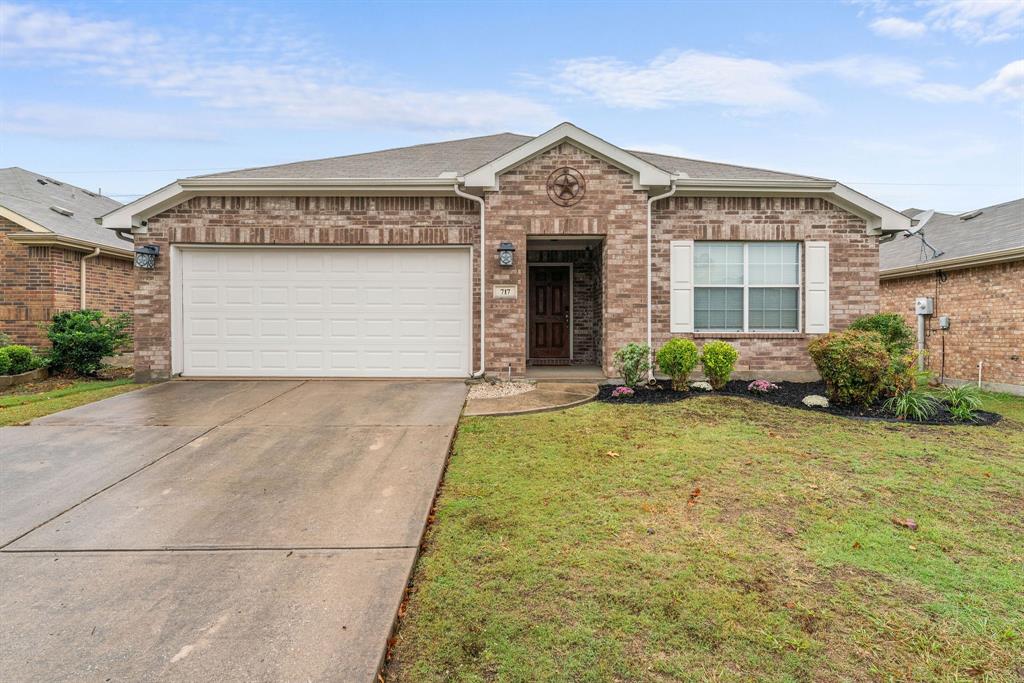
pixel 549 316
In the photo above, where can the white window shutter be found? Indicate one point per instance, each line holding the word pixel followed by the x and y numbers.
pixel 816 287
pixel 681 296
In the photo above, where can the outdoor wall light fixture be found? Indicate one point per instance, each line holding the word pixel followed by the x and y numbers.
pixel 145 256
pixel 505 252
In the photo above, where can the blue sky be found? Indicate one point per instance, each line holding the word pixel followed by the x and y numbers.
pixel 915 103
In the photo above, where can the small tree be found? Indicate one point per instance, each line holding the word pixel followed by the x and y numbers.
pixel 853 364
pixel 718 358
pixel 632 362
pixel 82 339
pixel 677 359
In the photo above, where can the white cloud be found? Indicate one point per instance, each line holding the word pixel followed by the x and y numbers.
pixel 982 21
pixel 748 85
pixel 896 27
pixel 63 121
pixel 269 76
pixel 754 86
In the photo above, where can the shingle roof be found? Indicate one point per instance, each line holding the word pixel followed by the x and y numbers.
pixel 462 156
pixel 31 195
pixel 996 228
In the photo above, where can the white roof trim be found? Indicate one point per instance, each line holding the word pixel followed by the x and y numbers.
pixel 134 214
pixel 15 217
pixel 880 218
pixel 972 261
pixel 51 239
pixel 645 174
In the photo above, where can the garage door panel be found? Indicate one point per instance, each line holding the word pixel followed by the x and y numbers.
pixel 325 312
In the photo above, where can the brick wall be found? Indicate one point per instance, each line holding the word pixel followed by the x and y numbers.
pixel 986 314
pixel 287 220
pixel 853 263
pixel 39 281
pixel 610 208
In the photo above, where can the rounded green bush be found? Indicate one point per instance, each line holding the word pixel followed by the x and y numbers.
pixel 19 359
pixel 853 364
pixel 677 359
pixel 632 362
pixel 896 334
pixel 82 339
pixel 5 361
pixel 718 358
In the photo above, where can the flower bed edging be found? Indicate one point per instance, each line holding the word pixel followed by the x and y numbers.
pixel 23 378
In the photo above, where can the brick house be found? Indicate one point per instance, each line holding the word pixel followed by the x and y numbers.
pixel 503 254
pixel 976 283
pixel 54 256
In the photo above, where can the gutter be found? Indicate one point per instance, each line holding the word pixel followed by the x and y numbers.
pixel 483 261
pixel 81 278
pixel 990 258
pixel 650 265
pixel 52 240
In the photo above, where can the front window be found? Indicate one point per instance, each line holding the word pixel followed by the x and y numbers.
pixel 746 286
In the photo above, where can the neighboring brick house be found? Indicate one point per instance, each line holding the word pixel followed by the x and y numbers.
pixel 976 283
pixel 382 264
pixel 49 242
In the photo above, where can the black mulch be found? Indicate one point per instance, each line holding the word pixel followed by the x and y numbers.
pixel 790 394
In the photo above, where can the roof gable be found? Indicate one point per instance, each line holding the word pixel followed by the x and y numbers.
pixel 645 174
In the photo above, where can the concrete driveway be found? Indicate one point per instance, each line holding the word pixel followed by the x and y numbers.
pixel 217 530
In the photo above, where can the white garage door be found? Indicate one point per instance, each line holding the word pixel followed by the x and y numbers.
pixel 325 312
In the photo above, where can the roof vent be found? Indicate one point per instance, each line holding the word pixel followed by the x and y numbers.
pixel 970 215
pixel 41 181
pixel 62 211
pixel 55 182
pixel 91 194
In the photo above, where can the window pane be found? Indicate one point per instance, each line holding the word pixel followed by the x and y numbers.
pixel 718 308
pixel 774 263
pixel 718 263
pixel 773 308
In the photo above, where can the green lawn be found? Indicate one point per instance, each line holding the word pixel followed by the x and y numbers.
pixel 20 408
pixel 721 539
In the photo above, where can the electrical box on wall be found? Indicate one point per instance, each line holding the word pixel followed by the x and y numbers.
pixel 924 305
pixel 943 322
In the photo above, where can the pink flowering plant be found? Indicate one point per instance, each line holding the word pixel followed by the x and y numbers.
pixel 622 392
pixel 762 386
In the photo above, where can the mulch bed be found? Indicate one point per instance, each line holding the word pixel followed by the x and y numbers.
pixel 789 394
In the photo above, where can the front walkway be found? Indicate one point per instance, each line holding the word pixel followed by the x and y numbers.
pixel 218 530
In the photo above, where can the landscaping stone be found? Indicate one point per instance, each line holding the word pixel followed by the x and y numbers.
pixel 815 401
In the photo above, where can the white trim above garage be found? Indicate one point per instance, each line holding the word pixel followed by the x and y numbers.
pixel 321 311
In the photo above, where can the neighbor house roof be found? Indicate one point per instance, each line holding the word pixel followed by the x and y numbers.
pixel 51 210
pixel 462 156
pixel 994 233
pixel 476 165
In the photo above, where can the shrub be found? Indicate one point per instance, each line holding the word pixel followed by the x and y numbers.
pixel 677 359
pixel 762 386
pixel 81 339
pixel 899 341
pixel 914 404
pixel 622 392
pixel 632 362
pixel 16 359
pixel 853 364
pixel 718 358
pixel 963 401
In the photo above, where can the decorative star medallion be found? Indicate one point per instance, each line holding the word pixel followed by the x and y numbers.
pixel 566 186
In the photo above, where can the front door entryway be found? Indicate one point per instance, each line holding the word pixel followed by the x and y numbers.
pixel 550 312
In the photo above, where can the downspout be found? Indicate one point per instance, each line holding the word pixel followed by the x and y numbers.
pixel 81 277
pixel 483 262
pixel 650 264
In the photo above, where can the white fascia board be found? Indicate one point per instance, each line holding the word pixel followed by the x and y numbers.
pixel 972 261
pixel 645 174
pixel 52 240
pixel 880 218
pixel 132 214
pixel 26 223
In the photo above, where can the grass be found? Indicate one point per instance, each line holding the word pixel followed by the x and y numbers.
pixel 721 539
pixel 20 408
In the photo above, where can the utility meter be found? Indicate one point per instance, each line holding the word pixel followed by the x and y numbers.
pixel 943 322
pixel 924 305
